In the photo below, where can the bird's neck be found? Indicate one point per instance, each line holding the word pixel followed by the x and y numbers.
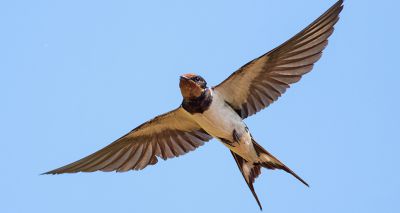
pixel 198 104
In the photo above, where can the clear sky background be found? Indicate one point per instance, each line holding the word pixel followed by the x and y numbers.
pixel 76 75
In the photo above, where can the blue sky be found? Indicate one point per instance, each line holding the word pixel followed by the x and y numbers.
pixel 77 75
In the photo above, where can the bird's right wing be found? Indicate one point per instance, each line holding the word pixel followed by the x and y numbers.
pixel 263 80
pixel 166 136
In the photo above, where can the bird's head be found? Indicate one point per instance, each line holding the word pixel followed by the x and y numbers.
pixel 192 85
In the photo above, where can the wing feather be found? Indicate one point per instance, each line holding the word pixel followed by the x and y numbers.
pixel 263 80
pixel 166 136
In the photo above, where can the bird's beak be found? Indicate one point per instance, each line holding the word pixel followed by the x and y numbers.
pixel 184 78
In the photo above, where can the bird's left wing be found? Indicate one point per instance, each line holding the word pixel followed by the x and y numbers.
pixel 166 136
pixel 261 81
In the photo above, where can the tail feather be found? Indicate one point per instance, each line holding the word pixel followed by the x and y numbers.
pixel 250 172
pixel 270 162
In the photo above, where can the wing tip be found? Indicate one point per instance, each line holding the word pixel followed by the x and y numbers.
pixel 340 5
pixel 50 173
pixel 46 173
pixel 53 172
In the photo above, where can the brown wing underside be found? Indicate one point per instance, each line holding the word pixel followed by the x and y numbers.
pixel 263 80
pixel 166 136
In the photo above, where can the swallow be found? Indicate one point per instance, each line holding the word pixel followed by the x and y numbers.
pixel 218 112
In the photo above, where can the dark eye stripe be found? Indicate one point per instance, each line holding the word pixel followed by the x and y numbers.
pixel 196 79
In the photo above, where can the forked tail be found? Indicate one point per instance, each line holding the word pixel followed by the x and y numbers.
pixel 251 170
pixel 270 162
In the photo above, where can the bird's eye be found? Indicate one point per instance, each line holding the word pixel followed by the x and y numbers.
pixel 196 79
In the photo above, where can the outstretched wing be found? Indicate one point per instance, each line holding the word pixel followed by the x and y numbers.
pixel 169 135
pixel 263 80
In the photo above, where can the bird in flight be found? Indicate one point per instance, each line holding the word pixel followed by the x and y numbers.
pixel 218 112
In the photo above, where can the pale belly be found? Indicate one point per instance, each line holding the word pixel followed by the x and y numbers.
pixel 220 121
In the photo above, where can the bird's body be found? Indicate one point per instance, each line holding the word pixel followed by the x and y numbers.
pixel 224 124
pixel 219 112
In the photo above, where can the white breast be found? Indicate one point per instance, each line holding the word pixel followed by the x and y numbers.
pixel 219 120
